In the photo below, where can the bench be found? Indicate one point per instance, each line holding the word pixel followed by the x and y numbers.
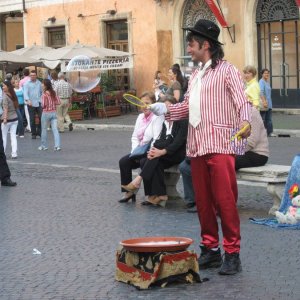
pixel 273 175
pixel 172 176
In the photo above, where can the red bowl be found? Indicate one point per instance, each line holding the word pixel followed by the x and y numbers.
pixel 157 244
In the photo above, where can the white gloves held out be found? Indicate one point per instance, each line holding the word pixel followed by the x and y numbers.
pixel 159 108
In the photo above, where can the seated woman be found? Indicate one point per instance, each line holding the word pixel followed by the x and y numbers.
pixel 147 128
pixel 167 151
pixel 257 149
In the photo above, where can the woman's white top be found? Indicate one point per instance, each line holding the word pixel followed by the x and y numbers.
pixel 152 131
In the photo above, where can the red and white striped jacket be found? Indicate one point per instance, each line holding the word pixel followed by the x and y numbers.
pixel 49 103
pixel 223 107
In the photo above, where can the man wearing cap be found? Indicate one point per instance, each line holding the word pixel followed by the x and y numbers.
pixel 215 104
pixel 64 91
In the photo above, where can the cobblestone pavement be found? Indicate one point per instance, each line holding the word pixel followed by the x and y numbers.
pixel 65 206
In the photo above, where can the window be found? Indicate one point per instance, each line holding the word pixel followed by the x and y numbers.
pixel 117 31
pixel 117 39
pixel 56 37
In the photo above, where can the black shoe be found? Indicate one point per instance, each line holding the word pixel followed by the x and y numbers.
pixel 33 137
pixel 190 204
pixel 8 182
pixel 70 127
pixel 123 200
pixel 231 264
pixel 209 258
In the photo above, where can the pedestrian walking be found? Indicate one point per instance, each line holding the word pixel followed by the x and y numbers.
pixel 4 169
pixel 216 105
pixel 20 110
pixel 49 103
pixel 64 91
pixel 25 79
pixel 32 97
pixel 10 117
pixel 265 90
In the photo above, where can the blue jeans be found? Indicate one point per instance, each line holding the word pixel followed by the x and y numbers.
pixel 50 117
pixel 267 118
pixel 185 170
pixel 21 115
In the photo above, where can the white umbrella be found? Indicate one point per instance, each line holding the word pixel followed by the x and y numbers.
pixel 34 51
pixel 11 58
pixel 10 61
pixel 57 56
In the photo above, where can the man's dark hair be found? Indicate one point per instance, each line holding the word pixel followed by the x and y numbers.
pixel 33 72
pixel 26 72
pixel 215 49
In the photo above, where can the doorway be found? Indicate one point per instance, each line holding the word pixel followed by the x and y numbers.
pixel 278 50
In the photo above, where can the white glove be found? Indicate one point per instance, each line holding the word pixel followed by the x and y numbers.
pixel 158 108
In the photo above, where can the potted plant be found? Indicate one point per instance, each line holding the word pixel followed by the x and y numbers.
pixel 108 107
pixel 75 112
pixel 107 83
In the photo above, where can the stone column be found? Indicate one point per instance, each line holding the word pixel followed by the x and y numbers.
pixel 25 29
pixel 2 32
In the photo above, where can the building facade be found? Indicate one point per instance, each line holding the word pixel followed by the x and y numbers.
pixel 264 33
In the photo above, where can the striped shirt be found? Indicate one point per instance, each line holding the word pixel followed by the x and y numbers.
pixel 63 89
pixel 223 106
pixel 49 103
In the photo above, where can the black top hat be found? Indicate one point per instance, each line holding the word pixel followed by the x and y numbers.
pixel 207 29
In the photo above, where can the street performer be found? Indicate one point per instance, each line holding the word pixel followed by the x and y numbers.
pixel 216 105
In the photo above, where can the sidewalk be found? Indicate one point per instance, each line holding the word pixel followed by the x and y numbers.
pixel 285 122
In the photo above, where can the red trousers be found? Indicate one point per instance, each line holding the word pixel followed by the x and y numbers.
pixel 216 193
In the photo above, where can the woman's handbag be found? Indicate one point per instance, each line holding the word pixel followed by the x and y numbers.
pixel 263 104
pixel 140 151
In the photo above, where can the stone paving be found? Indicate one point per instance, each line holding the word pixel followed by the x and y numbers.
pixel 65 206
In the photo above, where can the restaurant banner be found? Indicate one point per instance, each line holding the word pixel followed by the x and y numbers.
pixel 84 63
